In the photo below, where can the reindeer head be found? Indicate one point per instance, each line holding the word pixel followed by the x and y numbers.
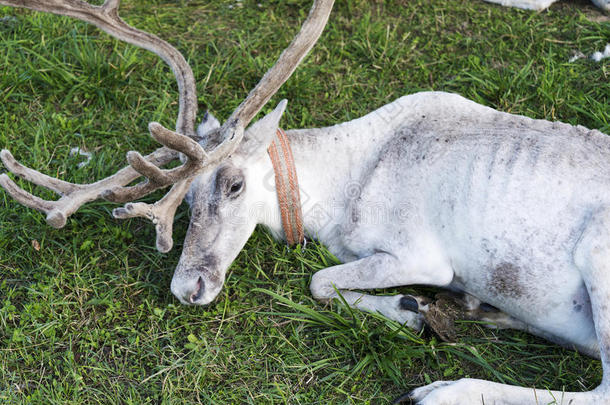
pixel 215 171
pixel 224 204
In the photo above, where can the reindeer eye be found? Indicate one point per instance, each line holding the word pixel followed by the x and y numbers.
pixel 236 187
pixel 230 181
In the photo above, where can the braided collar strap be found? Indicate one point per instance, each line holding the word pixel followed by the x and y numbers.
pixel 287 188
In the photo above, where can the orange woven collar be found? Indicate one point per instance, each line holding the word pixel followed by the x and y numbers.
pixel 287 188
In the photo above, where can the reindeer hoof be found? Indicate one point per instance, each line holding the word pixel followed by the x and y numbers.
pixel 408 303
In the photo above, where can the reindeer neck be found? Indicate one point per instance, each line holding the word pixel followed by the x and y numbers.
pixel 331 165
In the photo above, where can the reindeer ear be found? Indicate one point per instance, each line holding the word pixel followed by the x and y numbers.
pixel 259 135
pixel 208 134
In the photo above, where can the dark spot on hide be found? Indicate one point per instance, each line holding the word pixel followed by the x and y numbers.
pixel 504 280
pixel 577 308
pixel 208 261
pixel 206 212
pixel 213 206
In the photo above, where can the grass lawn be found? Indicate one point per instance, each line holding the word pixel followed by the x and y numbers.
pixel 86 315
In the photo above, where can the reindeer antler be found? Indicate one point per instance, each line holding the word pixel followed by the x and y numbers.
pixel 106 17
pixel 73 196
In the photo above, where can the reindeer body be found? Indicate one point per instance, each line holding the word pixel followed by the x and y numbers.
pixel 483 202
pixel 431 189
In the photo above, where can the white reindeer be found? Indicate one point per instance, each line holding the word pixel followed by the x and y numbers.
pixel 512 211
pixel 542 4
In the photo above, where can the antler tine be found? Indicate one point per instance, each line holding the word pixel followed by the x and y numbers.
pixel 155 177
pixel 58 186
pixel 233 128
pixel 73 195
pixel 55 219
pixel 106 18
pixel 160 213
pixel 285 65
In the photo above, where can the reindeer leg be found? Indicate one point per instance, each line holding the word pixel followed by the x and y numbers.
pixel 603 4
pixel 380 270
pixel 493 318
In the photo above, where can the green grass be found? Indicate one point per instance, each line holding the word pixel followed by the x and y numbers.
pixel 89 318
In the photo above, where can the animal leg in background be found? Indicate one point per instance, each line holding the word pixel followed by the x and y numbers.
pixel 539 5
pixel 525 4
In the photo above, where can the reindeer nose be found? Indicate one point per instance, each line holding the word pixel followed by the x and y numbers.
pixel 198 293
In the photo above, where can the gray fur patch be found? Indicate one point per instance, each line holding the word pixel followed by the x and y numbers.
pixel 505 280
